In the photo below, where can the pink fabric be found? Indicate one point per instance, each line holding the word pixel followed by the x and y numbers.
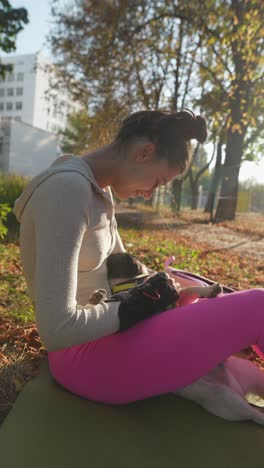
pixel 185 275
pixel 164 352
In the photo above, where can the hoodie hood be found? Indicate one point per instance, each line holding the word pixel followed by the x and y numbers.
pixel 64 163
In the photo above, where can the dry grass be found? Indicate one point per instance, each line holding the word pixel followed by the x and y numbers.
pixel 21 352
pixel 247 223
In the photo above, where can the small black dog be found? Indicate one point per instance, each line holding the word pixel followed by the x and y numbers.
pixel 125 272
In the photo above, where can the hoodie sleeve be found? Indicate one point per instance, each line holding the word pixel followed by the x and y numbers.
pixel 61 218
pixel 119 246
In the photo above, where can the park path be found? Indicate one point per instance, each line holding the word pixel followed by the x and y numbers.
pixel 217 237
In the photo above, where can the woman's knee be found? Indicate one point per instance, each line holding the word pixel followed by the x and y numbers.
pixel 258 292
pixel 256 295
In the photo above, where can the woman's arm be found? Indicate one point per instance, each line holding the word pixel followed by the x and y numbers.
pixel 61 208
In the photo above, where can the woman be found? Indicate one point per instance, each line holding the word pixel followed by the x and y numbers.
pixel 68 229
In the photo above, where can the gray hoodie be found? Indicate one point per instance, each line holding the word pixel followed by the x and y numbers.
pixel 74 164
pixel 67 230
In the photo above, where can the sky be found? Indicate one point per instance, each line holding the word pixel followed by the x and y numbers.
pixel 33 39
pixel 33 36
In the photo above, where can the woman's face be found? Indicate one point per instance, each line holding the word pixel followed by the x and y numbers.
pixel 142 173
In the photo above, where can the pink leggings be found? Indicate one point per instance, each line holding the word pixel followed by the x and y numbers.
pixel 164 352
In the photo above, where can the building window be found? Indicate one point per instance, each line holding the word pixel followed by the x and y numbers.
pixel 20 76
pixel 10 77
pixel 10 91
pixel 18 105
pixel 1 106
pixel 19 91
pixel 9 106
pixel 2 92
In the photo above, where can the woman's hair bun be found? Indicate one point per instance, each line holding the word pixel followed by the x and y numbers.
pixel 199 129
pixel 191 126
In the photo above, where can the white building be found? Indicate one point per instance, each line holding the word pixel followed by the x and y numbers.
pixel 25 94
pixel 25 149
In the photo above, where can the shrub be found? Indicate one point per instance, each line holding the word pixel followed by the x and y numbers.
pixel 11 187
pixel 4 210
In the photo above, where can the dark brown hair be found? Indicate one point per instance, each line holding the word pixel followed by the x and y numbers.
pixel 169 131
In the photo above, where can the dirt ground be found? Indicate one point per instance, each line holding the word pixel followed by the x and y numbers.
pixel 244 236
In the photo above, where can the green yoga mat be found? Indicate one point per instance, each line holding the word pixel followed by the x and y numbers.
pixel 48 427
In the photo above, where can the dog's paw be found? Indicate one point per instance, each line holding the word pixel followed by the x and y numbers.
pixel 215 289
pixel 97 296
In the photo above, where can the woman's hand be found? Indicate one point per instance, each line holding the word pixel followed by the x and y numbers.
pixel 172 282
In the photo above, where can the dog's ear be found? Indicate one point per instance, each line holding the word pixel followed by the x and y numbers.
pixel 137 267
pixel 123 265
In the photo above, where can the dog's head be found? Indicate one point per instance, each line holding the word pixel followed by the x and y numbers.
pixel 123 265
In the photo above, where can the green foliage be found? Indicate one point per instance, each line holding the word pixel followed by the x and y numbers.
pixel 205 55
pixel 126 51
pixel 154 247
pixel 4 210
pixel 154 54
pixel 12 21
pixel 11 187
pixel 13 289
pixel 87 131
pixel 233 37
pixel 75 137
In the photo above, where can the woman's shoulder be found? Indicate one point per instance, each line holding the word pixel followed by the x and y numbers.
pixel 63 191
pixel 68 181
pixel 66 195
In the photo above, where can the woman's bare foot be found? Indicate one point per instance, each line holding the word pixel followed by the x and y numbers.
pixel 202 291
pixel 211 291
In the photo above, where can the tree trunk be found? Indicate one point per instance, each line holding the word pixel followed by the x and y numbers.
pixel 149 202
pixel 209 208
pixel 195 193
pixel 241 86
pixel 194 188
pixel 226 207
pixel 158 199
pixel 176 189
